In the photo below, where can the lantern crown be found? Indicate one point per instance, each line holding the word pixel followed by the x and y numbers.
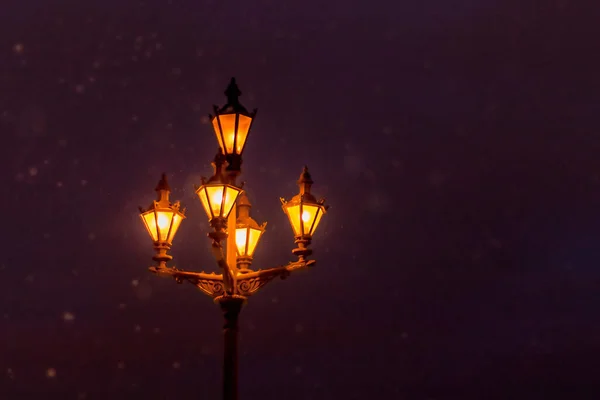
pixel 233 105
pixel 219 165
pixel 162 218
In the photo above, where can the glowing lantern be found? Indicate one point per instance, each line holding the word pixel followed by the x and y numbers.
pixel 247 231
pixel 162 219
pixel 303 210
pixel 232 123
pixel 217 196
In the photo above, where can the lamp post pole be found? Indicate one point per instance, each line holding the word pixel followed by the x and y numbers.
pixel 231 307
pixel 233 227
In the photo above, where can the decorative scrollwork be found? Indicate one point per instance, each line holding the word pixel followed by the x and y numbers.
pixel 246 287
pixel 212 288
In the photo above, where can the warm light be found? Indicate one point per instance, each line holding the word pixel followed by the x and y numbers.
pixel 303 210
pixel 231 140
pixel 311 216
pixel 217 199
pixel 240 240
pixel 246 240
pixel 162 218
pixel 305 216
pixel 162 224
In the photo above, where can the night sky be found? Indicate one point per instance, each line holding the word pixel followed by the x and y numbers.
pixel 456 142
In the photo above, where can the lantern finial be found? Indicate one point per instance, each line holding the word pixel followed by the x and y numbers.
pixel 305 181
pixel 233 92
pixel 163 184
pixel 163 189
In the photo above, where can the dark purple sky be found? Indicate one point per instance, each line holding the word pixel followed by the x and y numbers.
pixel 457 143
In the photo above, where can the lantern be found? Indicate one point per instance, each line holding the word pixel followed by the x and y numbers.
pixel 232 123
pixel 247 230
pixel 217 196
pixel 303 210
pixel 162 219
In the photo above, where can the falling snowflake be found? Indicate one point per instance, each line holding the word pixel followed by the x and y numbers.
pixel 80 88
pixel 176 365
pixel 18 48
pixel 33 171
pixel 51 373
pixel 67 316
pixel 135 283
pixel 91 236
pixel 121 365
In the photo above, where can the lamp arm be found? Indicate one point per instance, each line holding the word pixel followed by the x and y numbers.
pixel 283 271
pixel 211 284
pixel 249 283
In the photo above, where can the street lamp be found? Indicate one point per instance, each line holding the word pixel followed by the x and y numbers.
pixel 247 234
pixel 232 123
pixel 162 219
pixel 218 197
pixel 304 213
pixel 234 235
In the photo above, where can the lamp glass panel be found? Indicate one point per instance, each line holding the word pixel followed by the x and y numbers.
pixel 215 199
pixel 228 130
pixel 311 215
pixel 150 223
pixel 215 123
pixel 241 234
pixel 253 237
pixel 242 133
pixel 177 218
pixel 204 200
pixel 231 195
pixel 163 221
pixel 294 216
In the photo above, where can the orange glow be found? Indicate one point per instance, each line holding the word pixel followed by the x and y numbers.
pixel 162 224
pixel 246 240
pixel 217 199
pixel 227 135
pixel 305 222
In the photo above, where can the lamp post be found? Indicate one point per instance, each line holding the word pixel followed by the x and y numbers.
pixel 228 209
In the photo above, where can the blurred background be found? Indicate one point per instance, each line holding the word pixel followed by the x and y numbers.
pixel 456 143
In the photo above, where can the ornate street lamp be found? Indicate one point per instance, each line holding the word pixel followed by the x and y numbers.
pixel 247 234
pixel 228 210
pixel 162 219
pixel 218 197
pixel 232 123
pixel 304 213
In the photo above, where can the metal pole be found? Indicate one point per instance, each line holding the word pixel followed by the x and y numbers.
pixel 231 307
